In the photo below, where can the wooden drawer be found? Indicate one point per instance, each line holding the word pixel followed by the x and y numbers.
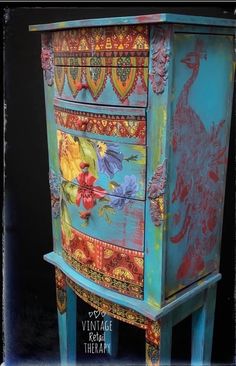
pixel 102 85
pixel 127 125
pixel 101 46
pixel 113 219
pixel 109 265
pixel 118 168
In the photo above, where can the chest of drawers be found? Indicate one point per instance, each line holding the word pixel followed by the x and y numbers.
pixel 138 118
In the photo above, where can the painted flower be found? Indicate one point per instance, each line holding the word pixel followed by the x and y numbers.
pixel 87 192
pixel 54 183
pixel 124 192
pixel 69 156
pixel 109 158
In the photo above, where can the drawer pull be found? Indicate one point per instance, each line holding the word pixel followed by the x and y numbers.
pixel 84 165
pixel 84 215
pixel 81 86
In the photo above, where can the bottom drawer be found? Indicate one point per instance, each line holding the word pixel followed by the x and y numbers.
pixel 104 263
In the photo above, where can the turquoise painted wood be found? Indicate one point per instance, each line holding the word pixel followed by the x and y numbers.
pixel 111 336
pixel 142 175
pixel 67 330
pixel 202 329
pixel 124 227
pixel 54 171
pixel 151 18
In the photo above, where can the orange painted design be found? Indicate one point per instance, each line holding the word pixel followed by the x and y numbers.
pixel 60 290
pixel 100 40
pixel 111 265
pixel 153 332
pixel 109 125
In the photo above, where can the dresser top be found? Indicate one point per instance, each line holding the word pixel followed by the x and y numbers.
pixel 137 19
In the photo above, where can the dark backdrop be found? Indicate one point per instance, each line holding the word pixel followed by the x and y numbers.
pixel 29 294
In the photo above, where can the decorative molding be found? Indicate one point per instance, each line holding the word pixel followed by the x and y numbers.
pixel 47 61
pixel 160 56
pixel 156 190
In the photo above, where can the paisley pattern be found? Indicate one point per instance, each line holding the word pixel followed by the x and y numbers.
pixel 107 264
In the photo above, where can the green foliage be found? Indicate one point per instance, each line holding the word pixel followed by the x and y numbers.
pixel 88 155
pixel 106 211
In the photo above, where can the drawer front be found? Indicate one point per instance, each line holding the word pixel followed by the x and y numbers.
pixel 108 124
pixel 119 169
pixel 101 45
pixel 102 85
pixel 113 219
pixel 110 266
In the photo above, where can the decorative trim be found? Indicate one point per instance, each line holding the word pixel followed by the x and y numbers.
pixel 100 124
pixel 160 56
pixel 124 80
pixel 99 40
pixel 47 58
pixel 109 265
pixel 60 290
pixel 156 190
pixel 152 335
pixel 115 310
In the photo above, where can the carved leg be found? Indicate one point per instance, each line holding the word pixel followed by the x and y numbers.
pixel 202 329
pixel 111 335
pixel 158 342
pixel 66 311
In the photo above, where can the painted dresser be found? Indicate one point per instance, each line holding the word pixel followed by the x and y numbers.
pixel 138 119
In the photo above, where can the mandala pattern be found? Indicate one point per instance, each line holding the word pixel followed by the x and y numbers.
pixel 107 264
pixel 100 124
pixel 60 290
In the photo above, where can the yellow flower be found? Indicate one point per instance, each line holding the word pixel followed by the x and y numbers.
pixel 69 156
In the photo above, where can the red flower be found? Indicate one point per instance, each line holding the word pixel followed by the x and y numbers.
pixel 87 192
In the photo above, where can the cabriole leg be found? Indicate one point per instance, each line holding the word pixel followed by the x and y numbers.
pixel 158 342
pixel 66 311
pixel 202 329
pixel 111 335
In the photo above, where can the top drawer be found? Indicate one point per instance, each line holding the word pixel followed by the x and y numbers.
pixel 102 65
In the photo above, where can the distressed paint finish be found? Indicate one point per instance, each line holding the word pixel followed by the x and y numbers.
pixel 150 166
pixel 66 309
pixel 54 171
pixel 123 218
pixel 158 116
pixel 119 169
pixel 126 86
pixel 109 265
pixel 198 160
pixel 138 19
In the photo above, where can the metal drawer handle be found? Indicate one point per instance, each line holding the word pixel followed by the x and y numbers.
pixel 84 215
pixel 81 86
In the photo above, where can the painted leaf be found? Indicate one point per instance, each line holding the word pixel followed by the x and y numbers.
pixel 88 155
pixel 158 182
pixel 65 218
pixel 70 191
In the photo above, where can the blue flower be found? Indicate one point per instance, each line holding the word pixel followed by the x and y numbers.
pixel 109 158
pixel 124 192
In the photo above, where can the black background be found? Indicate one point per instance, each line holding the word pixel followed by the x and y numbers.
pixel 29 294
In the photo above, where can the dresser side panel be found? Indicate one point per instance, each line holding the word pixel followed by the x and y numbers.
pixel 54 171
pixel 202 101
pixel 158 120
